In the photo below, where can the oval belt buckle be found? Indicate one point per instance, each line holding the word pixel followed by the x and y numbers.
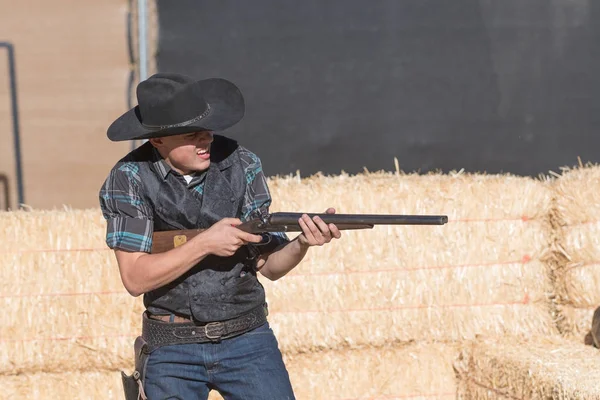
pixel 219 328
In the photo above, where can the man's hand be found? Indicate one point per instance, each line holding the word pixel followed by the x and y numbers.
pixel 315 232
pixel 223 239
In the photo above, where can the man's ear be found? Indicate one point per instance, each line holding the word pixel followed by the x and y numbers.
pixel 156 142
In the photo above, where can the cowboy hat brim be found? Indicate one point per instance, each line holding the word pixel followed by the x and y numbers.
pixel 226 109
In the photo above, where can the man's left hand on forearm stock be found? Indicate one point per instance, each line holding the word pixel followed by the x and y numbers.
pixel 315 232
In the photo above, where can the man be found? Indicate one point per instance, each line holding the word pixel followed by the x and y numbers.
pixel 205 325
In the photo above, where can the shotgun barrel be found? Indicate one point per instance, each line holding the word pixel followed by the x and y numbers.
pixel 288 221
pixel 287 218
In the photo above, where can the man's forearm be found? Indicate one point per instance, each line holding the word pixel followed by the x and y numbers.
pixel 283 260
pixel 141 272
pixel 151 271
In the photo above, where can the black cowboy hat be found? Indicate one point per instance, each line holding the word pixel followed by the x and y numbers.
pixel 172 104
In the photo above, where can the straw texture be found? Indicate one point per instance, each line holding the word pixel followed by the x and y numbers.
pixel 482 273
pixel 312 313
pixel 544 368
pixel 36 230
pixel 577 248
pixel 73 385
pixel 73 315
pixel 377 314
pixel 575 322
pixel 414 370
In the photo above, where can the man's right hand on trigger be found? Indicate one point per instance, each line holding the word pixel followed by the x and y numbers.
pixel 223 239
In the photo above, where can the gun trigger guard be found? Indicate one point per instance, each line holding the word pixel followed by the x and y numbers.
pixel 262 242
pixel 254 252
pixel 268 237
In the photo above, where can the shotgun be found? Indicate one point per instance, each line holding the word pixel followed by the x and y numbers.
pixel 288 222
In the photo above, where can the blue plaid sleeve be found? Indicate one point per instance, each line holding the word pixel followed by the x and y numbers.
pixel 257 198
pixel 129 218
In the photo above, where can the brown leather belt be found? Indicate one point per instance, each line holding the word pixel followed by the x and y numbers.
pixel 159 332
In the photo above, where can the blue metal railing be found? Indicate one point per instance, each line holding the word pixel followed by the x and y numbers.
pixel 15 120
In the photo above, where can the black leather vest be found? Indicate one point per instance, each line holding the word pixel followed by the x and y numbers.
pixel 218 288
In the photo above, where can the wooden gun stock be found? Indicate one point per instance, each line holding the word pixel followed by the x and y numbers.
pixel 166 240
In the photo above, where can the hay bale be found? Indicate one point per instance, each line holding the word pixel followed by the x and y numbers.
pixel 328 311
pixel 417 371
pixel 48 274
pixel 578 275
pixel 492 219
pixel 544 368
pixel 37 230
pixel 480 274
pixel 69 333
pixel 68 309
pixel 577 251
pixel 76 316
pixel 68 385
pixel 486 198
pixel 578 199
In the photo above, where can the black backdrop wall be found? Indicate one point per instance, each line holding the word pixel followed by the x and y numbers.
pixel 332 85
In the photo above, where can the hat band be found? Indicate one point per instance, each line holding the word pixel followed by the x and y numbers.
pixel 180 124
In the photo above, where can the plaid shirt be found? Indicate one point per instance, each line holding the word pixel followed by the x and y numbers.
pixel 130 217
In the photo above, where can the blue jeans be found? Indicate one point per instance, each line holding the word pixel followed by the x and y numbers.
pixel 245 367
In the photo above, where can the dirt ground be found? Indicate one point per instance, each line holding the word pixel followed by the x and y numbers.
pixel 72 72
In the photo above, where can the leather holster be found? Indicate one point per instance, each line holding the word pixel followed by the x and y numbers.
pixel 133 384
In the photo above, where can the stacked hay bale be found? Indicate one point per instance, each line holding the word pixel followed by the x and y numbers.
pixel 534 369
pixel 577 249
pixel 378 313
pixel 481 273
pixel 417 287
pixel 68 308
pixel 63 385
pixel 67 329
pixel 543 367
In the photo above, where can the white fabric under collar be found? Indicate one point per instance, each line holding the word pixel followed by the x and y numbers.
pixel 188 178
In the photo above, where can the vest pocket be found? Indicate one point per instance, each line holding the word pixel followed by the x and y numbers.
pixel 248 281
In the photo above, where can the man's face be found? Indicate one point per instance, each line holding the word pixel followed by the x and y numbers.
pixel 186 153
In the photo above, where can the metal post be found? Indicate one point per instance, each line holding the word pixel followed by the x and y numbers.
pixel 142 48
pixel 142 39
pixel 15 118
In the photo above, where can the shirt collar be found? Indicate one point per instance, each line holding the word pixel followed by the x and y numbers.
pixel 161 167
